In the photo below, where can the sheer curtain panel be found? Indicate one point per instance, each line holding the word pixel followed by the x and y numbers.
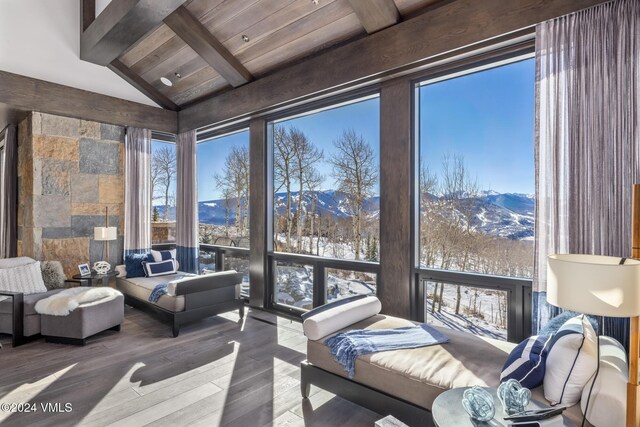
pixel 137 193
pixel 587 139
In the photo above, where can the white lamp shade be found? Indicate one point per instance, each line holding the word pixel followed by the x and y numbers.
pixel 593 284
pixel 105 233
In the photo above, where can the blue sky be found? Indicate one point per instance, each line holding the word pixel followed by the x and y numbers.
pixel 211 157
pixel 487 117
pixel 321 128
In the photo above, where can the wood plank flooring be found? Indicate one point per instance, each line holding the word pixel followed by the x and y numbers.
pixel 221 371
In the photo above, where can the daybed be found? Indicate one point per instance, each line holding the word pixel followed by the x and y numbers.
pixel 189 297
pixel 404 383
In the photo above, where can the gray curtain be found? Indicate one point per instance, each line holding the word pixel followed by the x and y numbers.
pixel 587 139
pixel 9 226
pixel 137 193
pixel 187 202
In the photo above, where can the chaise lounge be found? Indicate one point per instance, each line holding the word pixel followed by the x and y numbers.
pixel 189 297
pixel 405 383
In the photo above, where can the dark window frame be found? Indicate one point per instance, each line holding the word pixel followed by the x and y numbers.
pixel 519 290
pixel 320 264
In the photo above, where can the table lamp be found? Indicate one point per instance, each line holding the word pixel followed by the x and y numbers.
pixel 104 234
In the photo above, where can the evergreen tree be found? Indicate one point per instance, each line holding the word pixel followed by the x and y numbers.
pixel 156 215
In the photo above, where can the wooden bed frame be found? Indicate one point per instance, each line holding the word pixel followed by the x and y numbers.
pixel 375 400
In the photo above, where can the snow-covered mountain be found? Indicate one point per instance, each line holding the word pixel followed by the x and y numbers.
pixel 508 215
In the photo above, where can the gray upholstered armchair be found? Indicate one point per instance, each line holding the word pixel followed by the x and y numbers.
pixel 17 309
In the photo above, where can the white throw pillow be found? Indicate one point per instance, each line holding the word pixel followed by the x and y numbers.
pixel 338 316
pixel 122 271
pixel 572 361
pixel 25 278
pixel 608 403
pixel 163 255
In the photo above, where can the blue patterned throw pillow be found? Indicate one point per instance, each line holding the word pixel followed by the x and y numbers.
pixel 527 361
pixel 133 264
pixel 162 268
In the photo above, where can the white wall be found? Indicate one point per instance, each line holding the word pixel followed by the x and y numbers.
pixel 41 39
pixel 100 5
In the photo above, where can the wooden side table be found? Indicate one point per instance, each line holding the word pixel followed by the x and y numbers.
pixel 447 410
pixel 94 277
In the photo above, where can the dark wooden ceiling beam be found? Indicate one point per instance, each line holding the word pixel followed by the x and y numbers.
pixel 375 15
pixel 121 24
pixel 142 85
pixel 30 94
pixel 411 44
pixel 87 14
pixel 199 38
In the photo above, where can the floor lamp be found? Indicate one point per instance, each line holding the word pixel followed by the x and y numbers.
pixel 604 286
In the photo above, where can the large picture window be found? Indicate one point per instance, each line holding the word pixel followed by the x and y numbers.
pixel 163 192
pixel 326 182
pixel 223 204
pixel 476 180
pixel 326 203
pixel 223 190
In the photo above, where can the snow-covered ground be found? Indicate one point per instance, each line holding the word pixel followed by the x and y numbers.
pixel 488 319
pixel 295 284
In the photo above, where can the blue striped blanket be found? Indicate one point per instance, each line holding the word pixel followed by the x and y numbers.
pixel 158 291
pixel 345 347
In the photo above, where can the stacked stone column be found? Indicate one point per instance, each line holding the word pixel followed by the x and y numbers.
pixel 69 171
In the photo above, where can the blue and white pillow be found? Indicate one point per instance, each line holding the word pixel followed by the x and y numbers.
pixel 162 268
pixel 527 362
pixel 571 362
pixel 133 264
pixel 163 255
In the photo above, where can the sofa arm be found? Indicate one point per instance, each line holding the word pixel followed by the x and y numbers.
pixel 17 314
pixel 207 282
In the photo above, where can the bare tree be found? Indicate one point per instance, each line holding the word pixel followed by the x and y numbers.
pixel 226 192
pixel 306 155
pixel 234 180
pixel 283 170
pixel 356 173
pixel 314 180
pixel 459 190
pixel 163 168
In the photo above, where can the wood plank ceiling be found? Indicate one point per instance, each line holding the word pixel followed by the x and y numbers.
pixel 226 43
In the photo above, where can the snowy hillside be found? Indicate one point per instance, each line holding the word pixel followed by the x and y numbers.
pixel 507 215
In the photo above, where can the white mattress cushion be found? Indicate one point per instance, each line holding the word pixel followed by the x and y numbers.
pixel 572 361
pixel 608 402
pixel 25 278
pixel 172 280
pixel 339 316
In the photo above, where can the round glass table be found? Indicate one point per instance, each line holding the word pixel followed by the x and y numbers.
pixel 93 278
pixel 447 410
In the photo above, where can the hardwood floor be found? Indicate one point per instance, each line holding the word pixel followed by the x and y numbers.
pixel 221 371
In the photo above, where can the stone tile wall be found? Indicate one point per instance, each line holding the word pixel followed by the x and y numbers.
pixel 69 171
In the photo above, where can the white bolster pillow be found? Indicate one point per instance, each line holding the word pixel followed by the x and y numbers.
pixel 607 407
pixel 339 317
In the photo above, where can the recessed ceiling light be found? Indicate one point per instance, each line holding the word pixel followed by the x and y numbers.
pixel 315 2
pixel 165 81
pixel 177 75
pixel 245 38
